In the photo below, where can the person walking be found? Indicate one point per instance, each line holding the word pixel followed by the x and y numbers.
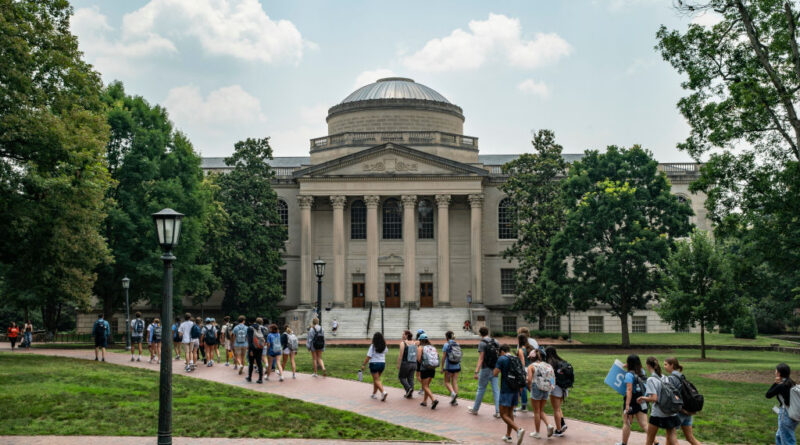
pixel 240 344
pixel 208 338
pixel 781 389
pixel 185 331
pixel 256 340
pixel 508 397
pixel 176 337
pixel 154 340
pixel 289 343
pixel 658 418
pixel 407 363
pixel 376 357
pixel 334 327
pixel 201 347
pixel 148 337
pixel 429 361
pixel 541 379
pixel 13 334
pixel 274 351
pixel 634 388
pixel 532 343
pixel 419 378
pixel 101 331
pixel 451 365
pixel 488 353
pixel 28 334
pixel 226 335
pixel 564 379
pixel 673 367
pixel 522 354
pixel 316 344
pixel 137 335
pixel 218 331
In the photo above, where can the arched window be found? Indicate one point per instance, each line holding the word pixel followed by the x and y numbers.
pixel 392 219
pixel 506 219
pixel 358 220
pixel 283 212
pixel 425 219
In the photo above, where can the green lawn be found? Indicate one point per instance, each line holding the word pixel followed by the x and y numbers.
pixel 48 395
pixel 677 339
pixel 733 413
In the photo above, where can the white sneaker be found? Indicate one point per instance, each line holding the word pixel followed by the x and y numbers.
pixel 280 377
pixel 293 376
pixel 507 439
pixel 314 375
pixel 550 430
pixel 473 412
pixel 496 415
pixel 383 399
pixel 536 435
pixel 373 396
pixel 520 435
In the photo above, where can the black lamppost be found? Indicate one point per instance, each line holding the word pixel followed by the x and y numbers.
pixel 383 303
pixel 126 283
pixel 168 229
pixel 319 271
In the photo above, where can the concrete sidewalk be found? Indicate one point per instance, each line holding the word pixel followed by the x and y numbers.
pixel 452 422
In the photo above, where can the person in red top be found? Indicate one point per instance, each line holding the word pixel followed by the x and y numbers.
pixel 13 334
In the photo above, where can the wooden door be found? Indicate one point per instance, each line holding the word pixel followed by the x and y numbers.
pixel 358 295
pixel 426 294
pixel 392 294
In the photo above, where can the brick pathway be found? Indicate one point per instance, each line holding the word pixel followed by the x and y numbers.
pixel 446 421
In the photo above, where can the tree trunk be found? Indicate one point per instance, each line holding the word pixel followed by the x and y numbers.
pixel 702 340
pixel 542 316
pixel 49 319
pixel 626 340
pixel 108 312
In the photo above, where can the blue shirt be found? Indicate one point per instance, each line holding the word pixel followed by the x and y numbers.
pixel 272 339
pixel 503 362
pixel 447 365
pixel 236 343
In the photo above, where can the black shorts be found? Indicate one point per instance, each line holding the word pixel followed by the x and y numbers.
pixel 668 423
pixel 135 339
pixel 210 342
pixel 636 407
pixel 100 342
pixel 427 374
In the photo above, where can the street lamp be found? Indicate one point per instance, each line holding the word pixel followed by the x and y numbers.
pixel 168 229
pixel 383 303
pixel 319 271
pixel 126 283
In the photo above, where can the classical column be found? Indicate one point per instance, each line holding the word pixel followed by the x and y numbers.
pixel 409 249
pixel 339 267
pixel 372 247
pixel 443 249
pixel 476 205
pixel 306 269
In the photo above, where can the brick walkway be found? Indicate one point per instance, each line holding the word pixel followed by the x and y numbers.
pixel 446 421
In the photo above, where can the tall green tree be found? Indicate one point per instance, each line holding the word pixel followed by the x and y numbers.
pixel 249 258
pixel 154 167
pixel 534 189
pixel 698 287
pixel 53 174
pixel 621 223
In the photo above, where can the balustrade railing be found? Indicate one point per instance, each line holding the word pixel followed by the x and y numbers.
pixel 401 137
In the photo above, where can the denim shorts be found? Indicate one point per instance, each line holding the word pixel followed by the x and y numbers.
pixel 559 392
pixel 686 420
pixel 376 368
pixel 509 398
pixel 538 395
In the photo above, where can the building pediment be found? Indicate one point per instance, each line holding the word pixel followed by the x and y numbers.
pixel 389 160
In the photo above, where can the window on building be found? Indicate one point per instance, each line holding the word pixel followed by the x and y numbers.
pixel 283 212
pixel 596 324
pixel 639 324
pixel 392 219
pixel 552 323
pixel 506 219
pixel 358 220
pixel 425 219
pixel 283 282
pixel 508 284
pixel 510 324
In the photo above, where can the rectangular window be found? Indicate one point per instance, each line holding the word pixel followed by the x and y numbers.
pixel 596 324
pixel 639 324
pixel 552 323
pixel 508 283
pixel 283 282
pixel 509 324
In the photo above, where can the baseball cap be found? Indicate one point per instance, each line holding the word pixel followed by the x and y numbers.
pixel 420 331
pixel 423 336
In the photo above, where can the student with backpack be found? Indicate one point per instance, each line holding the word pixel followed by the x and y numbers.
pixel 565 378
pixel 185 331
pixel 661 391
pixel 201 347
pixel 419 332
pixel 256 340
pixel 513 379
pixel 289 349
pixel 208 338
pixel 240 344
pixel 137 335
pixel 316 344
pixel 176 337
pixel 542 380
pixel 274 351
pixel 226 336
pixel 692 401
pixel 451 365
pixel 428 360
pixel 407 363
pixel 154 340
pixel 101 331
pixel 788 396
pixel 376 357
pixel 522 354
pixel 488 353
pixel 634 388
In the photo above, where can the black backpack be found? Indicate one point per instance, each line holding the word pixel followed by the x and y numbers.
pixel 99 329
pixel 138 328
pixel 195 332
pixel 318 342
pixel 692 399
pixel 565 375
pixel 157 333
pixel 490 353
pixel 669 397
pixel 516 377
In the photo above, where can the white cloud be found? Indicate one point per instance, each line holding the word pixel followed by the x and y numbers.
pixel 294 140
pixel 640 65
pixel 530 86
pixel 707 19
pixel 370 76
pixel 465 50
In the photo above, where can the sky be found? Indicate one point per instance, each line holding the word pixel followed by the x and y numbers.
pixel 227 70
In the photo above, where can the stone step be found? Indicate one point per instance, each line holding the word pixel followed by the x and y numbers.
pixel 435 322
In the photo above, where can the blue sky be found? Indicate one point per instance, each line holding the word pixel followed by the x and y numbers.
pixel 231 69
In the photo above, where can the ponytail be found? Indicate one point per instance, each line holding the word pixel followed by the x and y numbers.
pixel 675 365
pixel 653 363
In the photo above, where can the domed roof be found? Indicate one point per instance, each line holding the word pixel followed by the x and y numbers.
pixel 395 88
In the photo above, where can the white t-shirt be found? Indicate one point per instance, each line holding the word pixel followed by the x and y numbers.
pixel 335 324
pixel 376 357
pixel 134 322
pixel 186 331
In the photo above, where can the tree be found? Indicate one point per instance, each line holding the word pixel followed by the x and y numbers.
pixel 698 287
pixel 249 260
pixel 154 167
pixel 621 223
pixel 534 189
pixel 53 174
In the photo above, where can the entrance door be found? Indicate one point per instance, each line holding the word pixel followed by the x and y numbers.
pixel 426 294
pixel 358 295
pixel 392 294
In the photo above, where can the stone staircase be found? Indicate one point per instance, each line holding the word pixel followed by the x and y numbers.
pixel 435 322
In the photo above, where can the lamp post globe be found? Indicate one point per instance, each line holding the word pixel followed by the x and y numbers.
pixel 319 271
pixel 126 283
pixel 168 230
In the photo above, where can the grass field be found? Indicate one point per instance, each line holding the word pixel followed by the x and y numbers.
pixel 676 339
pixel 48 395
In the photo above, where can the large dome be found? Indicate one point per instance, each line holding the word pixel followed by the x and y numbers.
pixel 395 88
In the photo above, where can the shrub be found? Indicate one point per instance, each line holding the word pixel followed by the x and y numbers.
pixel 745 327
